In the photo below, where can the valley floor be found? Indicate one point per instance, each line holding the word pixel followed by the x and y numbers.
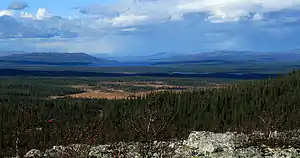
pixel 122 90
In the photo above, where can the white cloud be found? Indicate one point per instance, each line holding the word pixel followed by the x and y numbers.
pixel 235 10
pixel 26 15
pixel 217 11
pixel 125 20
pixel 258 17
pixel 219 16
pixel 122 21
pixel 42 13
pixel 6 12
pixel 131 29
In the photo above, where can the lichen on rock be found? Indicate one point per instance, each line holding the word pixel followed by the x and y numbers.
pixel 198 144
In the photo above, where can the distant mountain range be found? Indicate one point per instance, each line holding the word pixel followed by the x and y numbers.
pixel 7 53
pixel 160 58
pixel 40 58
pixel 235 56
pixel 143 58
pixel 225 55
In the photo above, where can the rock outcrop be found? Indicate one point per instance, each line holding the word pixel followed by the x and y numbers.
pixel 198 144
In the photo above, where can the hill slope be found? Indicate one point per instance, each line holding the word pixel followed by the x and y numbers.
pixel 234 56
pixel 52 59
pixel 266 106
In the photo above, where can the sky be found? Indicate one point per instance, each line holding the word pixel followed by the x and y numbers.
pixel 136 27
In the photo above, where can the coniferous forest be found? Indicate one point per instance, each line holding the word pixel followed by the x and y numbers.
pixel 36 122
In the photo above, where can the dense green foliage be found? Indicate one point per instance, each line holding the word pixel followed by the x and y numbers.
pixel 34 87
pixel 254 105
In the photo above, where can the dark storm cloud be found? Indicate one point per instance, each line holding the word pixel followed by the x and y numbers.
pixel 17 6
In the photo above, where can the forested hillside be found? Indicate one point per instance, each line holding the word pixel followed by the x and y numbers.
pixel 246 106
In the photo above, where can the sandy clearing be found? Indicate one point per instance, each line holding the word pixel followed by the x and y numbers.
pixel 149 84
pixel 99 94
pixel 109 95
pixel 83 87
pixel 114 95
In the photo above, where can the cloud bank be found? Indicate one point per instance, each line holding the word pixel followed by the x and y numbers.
pixel 149 26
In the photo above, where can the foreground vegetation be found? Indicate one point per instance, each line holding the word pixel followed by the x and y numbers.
pixel 31 121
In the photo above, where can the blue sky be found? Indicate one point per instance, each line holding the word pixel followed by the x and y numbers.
pixel 58 7
pixel 149 26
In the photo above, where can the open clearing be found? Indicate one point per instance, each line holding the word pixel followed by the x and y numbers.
pixel 106 91
pixel 148 84
pixel 97 94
